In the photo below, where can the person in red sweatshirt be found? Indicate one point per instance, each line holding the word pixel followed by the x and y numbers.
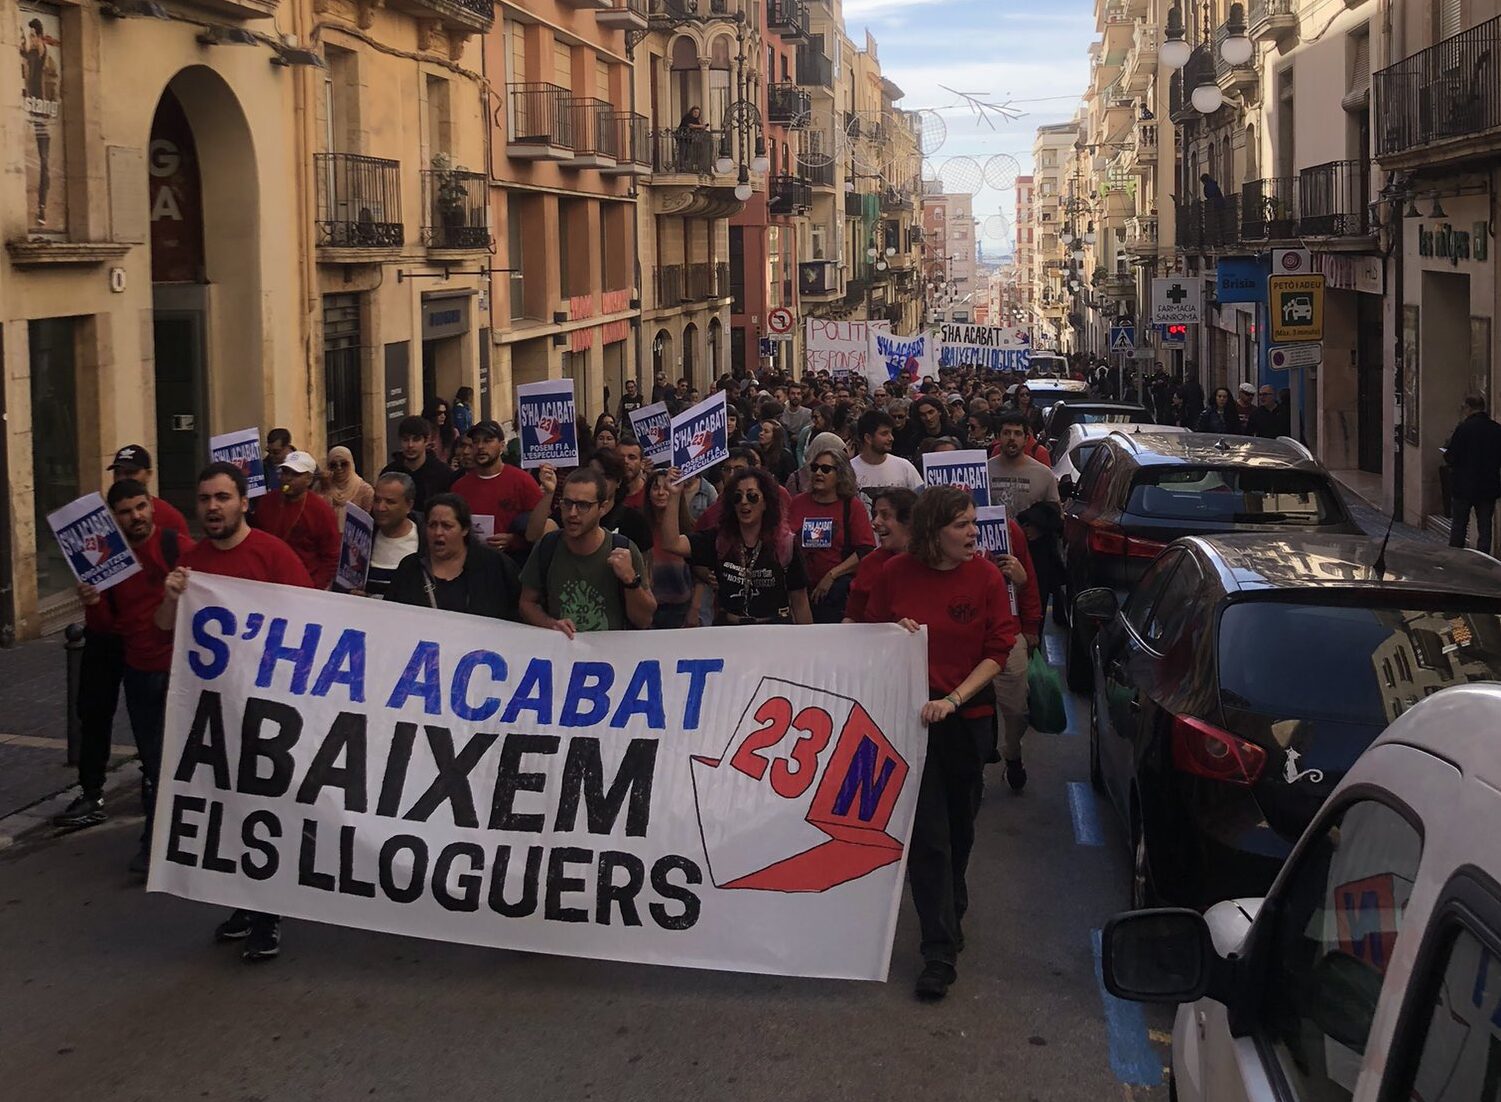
pixel 961 597
pixel 134 462
pixel 302 520
pixel 231 548
pixel 127 611
pixel 891 520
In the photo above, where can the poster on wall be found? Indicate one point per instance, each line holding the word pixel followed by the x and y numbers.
pixel 42 106
pixel 1410 374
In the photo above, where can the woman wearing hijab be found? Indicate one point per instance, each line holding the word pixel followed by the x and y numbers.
pixel 342 485
pixel 823 441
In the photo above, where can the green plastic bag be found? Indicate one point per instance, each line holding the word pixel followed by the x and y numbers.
pixel 1045 696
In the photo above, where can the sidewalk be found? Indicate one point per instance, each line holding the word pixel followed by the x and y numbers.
pixel 1374 521
pixel 34 734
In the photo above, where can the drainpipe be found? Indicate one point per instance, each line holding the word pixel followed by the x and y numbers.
pixel 302 102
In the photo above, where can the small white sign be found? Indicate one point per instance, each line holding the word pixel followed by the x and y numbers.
pixel 1291 262
pixel 1176 300
pixel 1285 356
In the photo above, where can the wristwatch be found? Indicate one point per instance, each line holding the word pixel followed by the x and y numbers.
pixel 634 583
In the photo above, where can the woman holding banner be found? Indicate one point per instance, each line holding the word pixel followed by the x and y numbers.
pixel 960 596
pixel 457 574
pixel 832 530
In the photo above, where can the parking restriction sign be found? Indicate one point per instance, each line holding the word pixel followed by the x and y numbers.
pixel 1296 305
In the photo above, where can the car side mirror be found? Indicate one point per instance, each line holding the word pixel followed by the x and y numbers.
pixel 1157 956
pixel 1098 606
pixel 1345 993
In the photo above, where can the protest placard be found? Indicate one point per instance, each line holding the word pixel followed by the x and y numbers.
pixel 996 347
pixel 549 423
pixel 242 448
pixel 966 469
pixel 842 348
pixel 893 359
pixel 354 554
pixel 396 768
pixel 653 428
pixel 994 537
pixel 93 543
pixel 700 437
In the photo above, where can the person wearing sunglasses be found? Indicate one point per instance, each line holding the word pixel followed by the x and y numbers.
pixel 832 530
pixel 759 574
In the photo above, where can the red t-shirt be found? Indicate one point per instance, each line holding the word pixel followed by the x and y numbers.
pixel 129 609
pixel 259 557
pixel 166 515
pixel 504 496
pixel 710 518
pixel 819 531
pixel 308 527
pixel 637 500
pixel 865 578
pixel 968 614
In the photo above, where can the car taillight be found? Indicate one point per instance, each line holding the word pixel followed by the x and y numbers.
pixel 1107 539
pixel 1206 751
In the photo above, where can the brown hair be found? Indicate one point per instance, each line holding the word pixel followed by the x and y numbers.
pixel 937 507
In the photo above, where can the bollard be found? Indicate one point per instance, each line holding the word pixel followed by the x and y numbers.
pixel 73 648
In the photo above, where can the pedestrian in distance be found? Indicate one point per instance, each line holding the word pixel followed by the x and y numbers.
pixel 1223 416
pixel 832 529
pixel 278 447
pixel 1474 460
pixel 444 435
pixel 671 578
pixel 463 410
pixel 1270 419
pixel 456 573
pixel 428 475
pixel 341 484
pixel 630 401
pixel 943 583
pixel 302 520
pixel 232 548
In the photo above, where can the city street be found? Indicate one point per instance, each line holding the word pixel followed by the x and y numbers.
pixel 113 993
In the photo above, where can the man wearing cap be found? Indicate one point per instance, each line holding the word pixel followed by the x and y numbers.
pixel 497 493
pixel 1245 401
pixel 133 462
pixel 302 520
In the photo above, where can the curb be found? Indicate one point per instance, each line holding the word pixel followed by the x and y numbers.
pixel 33 823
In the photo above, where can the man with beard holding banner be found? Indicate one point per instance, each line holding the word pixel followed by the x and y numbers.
pixel 233 549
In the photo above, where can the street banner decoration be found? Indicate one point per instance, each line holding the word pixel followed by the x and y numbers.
pixel 653 428
pixel 969 470
pixel 359 541
pixel 93 543
pixel 242 448
pixel 549 423
pixel 842 348
pixel 994 537
pixel 700 437
pixel 998 348
pixel 892 359
pixel 436 775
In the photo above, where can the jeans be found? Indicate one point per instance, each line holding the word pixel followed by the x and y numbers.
pixel 943 831
pixel 100 672
pixel 1485 515
pixel 146 702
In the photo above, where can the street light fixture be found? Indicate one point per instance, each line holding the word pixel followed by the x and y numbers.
pixel 1236 49
pixel 1175 50
pixel 1207 97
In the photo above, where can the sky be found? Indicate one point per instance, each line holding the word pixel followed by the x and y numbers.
pixel 1032 53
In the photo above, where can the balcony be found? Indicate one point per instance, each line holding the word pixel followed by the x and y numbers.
pixel 818 279
pixel 1208 225
pixel 895 200
pixel 790 196
pixel 688 153
pixel 1442 104
pixel 623 15
pixel 698 285
pixel 540 122
pixel 722 287
pixel 1142 152
pixel 669 286
pixel 596 137
pixel 1274 21
pixel 455 213
pixel 1332 200
pixel 1141 61
pixel 588 5
pixel 1141 235
pixel 1233 78
pixel 465 16
pixel 819 176
pixel 788 105
pixel 633 141
pixel 789 19
pixel 359 202
pixel 1269 209
pixel 814 70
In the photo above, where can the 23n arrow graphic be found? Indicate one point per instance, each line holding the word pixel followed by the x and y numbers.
pixel 801 798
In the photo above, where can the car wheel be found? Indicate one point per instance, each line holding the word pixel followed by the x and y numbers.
pixel 1076 662
pixel 1096 774
pixel 1143 894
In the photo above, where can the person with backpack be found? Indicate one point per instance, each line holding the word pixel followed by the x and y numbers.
pixel 832 530
pixel 584 578
pixel 126 613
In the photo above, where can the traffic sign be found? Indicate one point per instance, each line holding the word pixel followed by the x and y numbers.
pixel 1122 338
pixel 1296 305
pixel 1143 354
pixel 1284 356
pixel 1176 300
pixel 780 321
pixel 1291 262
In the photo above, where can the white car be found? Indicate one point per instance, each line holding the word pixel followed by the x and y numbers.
pixel 1081 440
pixel 1372 969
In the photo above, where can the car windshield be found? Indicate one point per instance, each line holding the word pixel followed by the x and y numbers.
pixel 1109 417
pixel 1362 663
pixel 1234 495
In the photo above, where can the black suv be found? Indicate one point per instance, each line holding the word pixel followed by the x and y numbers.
pixel 1141 490
pixel 1244 676
pixel 1084 410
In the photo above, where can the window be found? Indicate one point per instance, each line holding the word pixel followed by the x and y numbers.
pixel 1140 604
pixel 1337 918
pixel 1236 495
pixel 514 256
pixel 1173 608
pixel 54 441
pixel 439 117
pixel 1461 1054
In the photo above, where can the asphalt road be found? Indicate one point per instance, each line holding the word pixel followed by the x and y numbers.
pixel 110 993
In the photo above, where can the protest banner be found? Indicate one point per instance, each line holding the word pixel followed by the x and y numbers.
pixel 998 348
pixel 994 537
pixel 424 773
pixel 842 348
pixel 904 359
pixel 93 543
pixel 354 553
pixel 653 428
pixel 700 437
pixel 549 423
pixel 968 470
pixel 243 449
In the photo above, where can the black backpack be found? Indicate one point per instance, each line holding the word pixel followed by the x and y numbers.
pixel 547 550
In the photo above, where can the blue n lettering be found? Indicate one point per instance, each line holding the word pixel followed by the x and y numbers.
pixel 861 778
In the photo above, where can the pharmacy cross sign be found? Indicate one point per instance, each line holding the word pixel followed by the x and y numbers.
pixel 1176 300
pixel 1177 294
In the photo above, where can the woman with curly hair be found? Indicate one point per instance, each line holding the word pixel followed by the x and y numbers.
pixel 832 530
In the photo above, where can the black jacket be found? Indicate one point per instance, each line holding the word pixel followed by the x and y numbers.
pixel 1474 456
pixel 1270 423
pixel 431 479
pixel 490 585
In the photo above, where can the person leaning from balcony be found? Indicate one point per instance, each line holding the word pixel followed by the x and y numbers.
pixel 1474 459
pixel 1212 190
pixel 693 119
pixel 341 485
pixel 415 460
pixel 1222 416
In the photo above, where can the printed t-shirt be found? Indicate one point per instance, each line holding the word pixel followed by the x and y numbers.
pixel 583 588
pixel 759 590
pixel 1020 486
pixel 819 531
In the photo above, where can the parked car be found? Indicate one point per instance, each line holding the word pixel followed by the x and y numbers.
pixel 1084 410
pixel 1080 442
pixel 1140 491
pixel 1246 673
pixel 1372 969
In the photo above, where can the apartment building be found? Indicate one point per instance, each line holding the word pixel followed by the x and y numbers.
pixel 1052 264
pixel 1025 249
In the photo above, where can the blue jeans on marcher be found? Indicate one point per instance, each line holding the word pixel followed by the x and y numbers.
pixel 146 704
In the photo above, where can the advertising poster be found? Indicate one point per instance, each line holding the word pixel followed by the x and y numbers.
pixel 549 423
pixel 43 146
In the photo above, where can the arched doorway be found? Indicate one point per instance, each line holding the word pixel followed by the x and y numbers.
pixel 716 341
pixel 690 353
pixel 661 359
pixel 205 273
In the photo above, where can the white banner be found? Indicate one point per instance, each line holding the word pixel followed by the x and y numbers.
pixel 424 773
pixel 998 348
pixel 841 348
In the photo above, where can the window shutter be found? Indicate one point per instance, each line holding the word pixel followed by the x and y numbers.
pixel 1358 91
pixel 1448 18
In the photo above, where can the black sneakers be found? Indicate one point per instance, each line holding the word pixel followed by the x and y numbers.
pixel 935 980
pixel 1016 774
pixel 140 864
pixel 264 941
pixel 85 811
pixel 233 928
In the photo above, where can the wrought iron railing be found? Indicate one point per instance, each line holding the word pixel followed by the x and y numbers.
pixel 455 213
pixel 1332 199
pixel 814 70
pixel 698 284
pixel 539 114
pixel 1269 209
pixel 633 137
pixel 722 287
pixel 787 104
pixel 686 151
pixel 359 201
pixel 594 130
pixel 790 195
pixel 787 16
pixel 1450 90
pixel 670 285
pixel 1262 11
